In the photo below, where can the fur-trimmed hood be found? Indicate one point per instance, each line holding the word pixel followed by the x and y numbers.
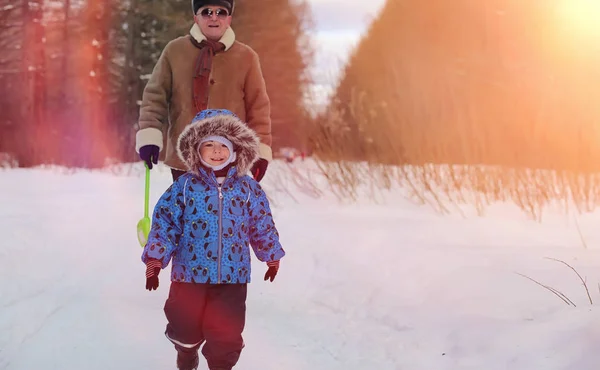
pixel 224 123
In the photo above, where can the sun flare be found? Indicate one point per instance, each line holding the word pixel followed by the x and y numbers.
pixel 580 17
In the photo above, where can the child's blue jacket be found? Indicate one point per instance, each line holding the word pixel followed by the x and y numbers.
pixel 207 229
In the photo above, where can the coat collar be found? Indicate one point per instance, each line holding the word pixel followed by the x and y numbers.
pixel 228 37
pixel 209 176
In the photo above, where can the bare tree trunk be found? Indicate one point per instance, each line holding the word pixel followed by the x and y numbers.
pixel 33 65
pixel 39 63
pixel 98 134
pixel 132 72
pixel 37 70
pixel 66 52
pixel 9 74
pixel 133 86
pixel 25 155
pixel 63 113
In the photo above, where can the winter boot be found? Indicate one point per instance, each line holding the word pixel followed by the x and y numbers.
pixel 187 360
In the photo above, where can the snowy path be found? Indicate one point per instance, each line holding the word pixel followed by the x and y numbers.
pixel 362 287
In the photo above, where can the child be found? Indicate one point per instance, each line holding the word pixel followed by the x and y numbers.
pixel 205 222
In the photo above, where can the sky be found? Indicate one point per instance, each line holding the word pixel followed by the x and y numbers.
pixel 338 27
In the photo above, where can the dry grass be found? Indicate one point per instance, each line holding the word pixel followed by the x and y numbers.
pixel 360 145
pixel 558 293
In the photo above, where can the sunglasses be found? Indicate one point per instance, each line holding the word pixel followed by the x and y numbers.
pixel 220 13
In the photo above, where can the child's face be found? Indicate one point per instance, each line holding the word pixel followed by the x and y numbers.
pixel 214 153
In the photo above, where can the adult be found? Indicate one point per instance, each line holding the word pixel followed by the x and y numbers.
pixel 207 68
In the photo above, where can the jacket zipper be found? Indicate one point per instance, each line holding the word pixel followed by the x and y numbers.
pixel 220 248
pixel 220 234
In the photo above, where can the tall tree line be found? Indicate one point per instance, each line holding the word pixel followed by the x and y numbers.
pixel 499 82
pixel 72 72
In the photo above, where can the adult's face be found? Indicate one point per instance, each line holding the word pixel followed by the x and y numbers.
pixel 213 21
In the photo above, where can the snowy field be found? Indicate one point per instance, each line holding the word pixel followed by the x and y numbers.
pixel 363 286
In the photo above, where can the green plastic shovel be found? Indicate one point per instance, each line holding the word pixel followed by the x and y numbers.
pixel 143 225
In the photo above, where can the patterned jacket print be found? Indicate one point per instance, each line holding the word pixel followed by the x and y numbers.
pixel 207 230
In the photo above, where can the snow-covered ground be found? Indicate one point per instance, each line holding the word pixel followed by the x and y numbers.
pixel 363 286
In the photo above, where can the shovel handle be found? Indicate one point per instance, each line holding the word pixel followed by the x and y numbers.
pixel 147 191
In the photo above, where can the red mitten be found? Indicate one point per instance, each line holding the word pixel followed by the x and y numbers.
pixel 272 271
pixel 259 169
pixel 152 270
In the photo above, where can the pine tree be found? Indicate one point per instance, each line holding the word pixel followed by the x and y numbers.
pixel 280 39
pixel 494 82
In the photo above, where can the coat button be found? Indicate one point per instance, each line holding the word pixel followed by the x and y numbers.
pixel 212 82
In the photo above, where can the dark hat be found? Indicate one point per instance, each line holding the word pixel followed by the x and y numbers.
pixel 227 4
